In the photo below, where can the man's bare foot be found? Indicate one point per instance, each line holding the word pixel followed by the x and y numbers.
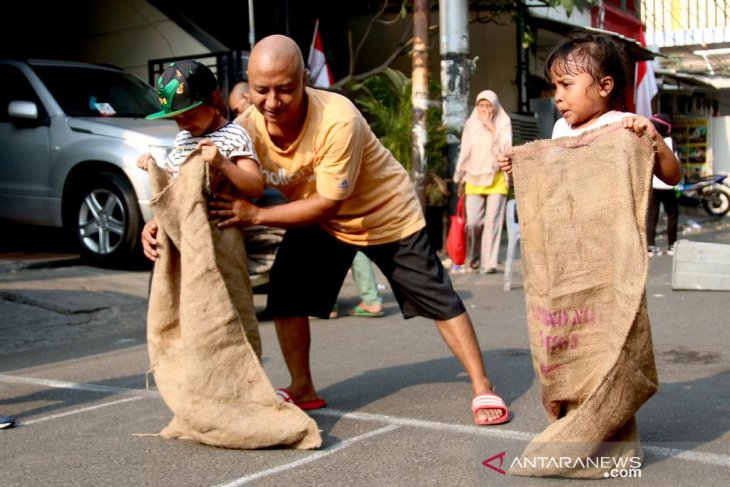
pixel 488 414
pixel 306 393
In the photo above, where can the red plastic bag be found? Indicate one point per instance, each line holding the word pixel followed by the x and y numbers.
pixel 456 240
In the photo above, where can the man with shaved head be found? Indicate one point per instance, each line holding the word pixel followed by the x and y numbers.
pixel 346 193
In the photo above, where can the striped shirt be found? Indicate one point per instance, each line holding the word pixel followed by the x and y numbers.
pixel 232 141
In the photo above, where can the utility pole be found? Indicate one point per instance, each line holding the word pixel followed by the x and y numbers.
pixel 419 97
pixel 454 45
pixel 251 29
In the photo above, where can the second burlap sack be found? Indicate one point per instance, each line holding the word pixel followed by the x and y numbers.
pixel 582 203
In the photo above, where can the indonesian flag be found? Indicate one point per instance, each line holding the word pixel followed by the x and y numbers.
pixel 319 72
pixel 646 86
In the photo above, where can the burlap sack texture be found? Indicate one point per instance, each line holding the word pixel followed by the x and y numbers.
pixel 202 331
pixel 582 203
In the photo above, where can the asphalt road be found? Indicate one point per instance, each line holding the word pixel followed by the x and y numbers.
pixel 73 360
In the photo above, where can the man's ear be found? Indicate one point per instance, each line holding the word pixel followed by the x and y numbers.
pixel 305 78
pixel 606 86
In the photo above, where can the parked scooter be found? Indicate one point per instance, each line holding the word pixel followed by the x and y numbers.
pixel 710 192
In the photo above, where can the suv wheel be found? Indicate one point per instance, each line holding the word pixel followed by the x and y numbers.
pixel 105 219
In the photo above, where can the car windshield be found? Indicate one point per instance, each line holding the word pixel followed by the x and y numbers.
pixel 89 92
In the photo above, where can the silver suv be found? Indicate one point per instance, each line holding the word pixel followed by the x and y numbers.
pixel 70 135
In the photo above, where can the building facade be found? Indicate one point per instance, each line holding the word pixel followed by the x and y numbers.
pixel 693 72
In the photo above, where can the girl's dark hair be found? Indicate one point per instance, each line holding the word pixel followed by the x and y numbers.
pixel 598 55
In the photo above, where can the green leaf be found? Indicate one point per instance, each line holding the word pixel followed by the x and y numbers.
pixel 385 100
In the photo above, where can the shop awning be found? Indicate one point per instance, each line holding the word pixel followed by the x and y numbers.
pixel 633 47
pixel 697 79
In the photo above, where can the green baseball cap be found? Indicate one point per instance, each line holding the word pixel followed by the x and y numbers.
pixel 183 86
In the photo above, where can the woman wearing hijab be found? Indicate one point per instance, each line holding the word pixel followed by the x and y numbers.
pixel 487 134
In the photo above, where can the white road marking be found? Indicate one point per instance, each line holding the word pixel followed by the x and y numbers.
pixel 81 410
pixel 393 421
pixel 58 384
pixel 311 458
pixel 692 456
pixel 432 425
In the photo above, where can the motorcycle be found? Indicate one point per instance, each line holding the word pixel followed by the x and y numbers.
pixel 710 192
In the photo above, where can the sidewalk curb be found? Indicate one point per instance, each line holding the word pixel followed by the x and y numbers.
pixel 47 263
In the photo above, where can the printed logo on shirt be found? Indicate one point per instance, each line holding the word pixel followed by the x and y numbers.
pixel 281 179
pixel 344 184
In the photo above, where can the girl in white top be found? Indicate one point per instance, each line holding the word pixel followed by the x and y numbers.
pixel 589 73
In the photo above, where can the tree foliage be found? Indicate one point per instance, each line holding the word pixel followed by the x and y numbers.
pixel 385 100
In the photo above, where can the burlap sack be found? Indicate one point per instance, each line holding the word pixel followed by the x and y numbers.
pixel 201 327
pixel 582 203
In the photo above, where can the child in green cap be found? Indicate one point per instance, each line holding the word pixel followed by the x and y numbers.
pixel 189 95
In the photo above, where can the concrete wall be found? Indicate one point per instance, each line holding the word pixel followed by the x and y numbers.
pixel 496 67
pixel 129 33
pixel 720 141
pixel 126 33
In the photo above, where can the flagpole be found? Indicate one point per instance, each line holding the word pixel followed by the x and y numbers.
pixel 636 86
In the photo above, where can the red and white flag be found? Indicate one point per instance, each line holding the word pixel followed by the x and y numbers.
pixel 646 86
pixel 319 72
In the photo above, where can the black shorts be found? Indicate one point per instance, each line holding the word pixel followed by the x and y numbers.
pixel 311 266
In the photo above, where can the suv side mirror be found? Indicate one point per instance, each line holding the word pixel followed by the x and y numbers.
pixel 24 114
pixel 26 110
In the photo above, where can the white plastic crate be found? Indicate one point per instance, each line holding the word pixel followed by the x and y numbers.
pixel 701 266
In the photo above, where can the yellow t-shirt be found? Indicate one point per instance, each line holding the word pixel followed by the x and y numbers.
pixel 337 156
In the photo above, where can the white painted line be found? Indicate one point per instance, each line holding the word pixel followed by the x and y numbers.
pixel 432 425
pixel 692 456
pixel 58 384
pixel 311 458
pixel 81 410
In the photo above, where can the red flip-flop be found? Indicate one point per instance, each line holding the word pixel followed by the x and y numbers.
pixel 286 396
pixel 489 401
